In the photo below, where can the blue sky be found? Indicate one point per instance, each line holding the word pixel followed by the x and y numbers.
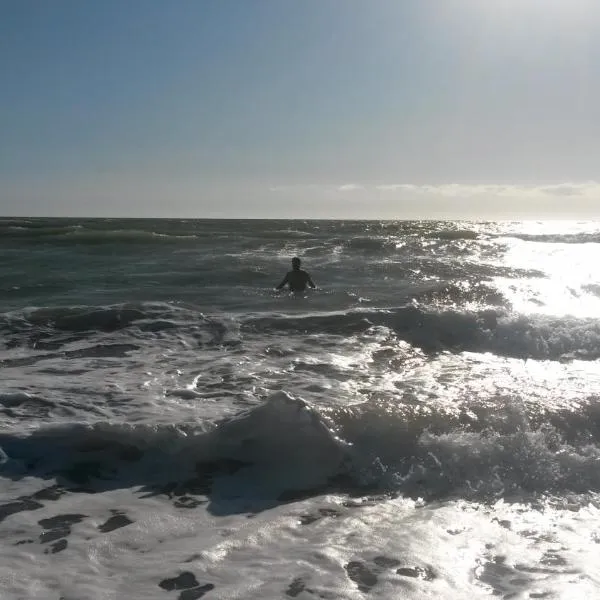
pixel 300 108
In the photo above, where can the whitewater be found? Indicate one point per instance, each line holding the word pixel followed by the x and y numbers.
pixel 424 424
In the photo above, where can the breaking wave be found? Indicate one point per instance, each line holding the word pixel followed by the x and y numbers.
pixel 538 337
pixel 287 449
pixel 491 330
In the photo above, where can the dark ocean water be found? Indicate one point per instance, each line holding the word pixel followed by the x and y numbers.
pixel 424 424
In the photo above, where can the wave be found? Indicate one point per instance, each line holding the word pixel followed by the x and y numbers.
pixel 490 330
pixel 454 234
pixel 461 293
pixel 286 449
pixel 51 328
pixel 97 318
pixel 538 337
pixel 551 238
pixel 74 235
pixel 592 288
pixel 501 452
pixel 368 243
pixel 125 236
pixel 13 399
pixel 281 443
pixel 287 234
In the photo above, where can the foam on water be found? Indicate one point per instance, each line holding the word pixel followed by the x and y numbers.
pixel 284 446
pixel 327 544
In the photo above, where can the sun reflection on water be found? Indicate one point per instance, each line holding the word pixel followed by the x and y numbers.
pixel 570 284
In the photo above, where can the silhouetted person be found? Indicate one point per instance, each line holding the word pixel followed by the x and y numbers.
pixel 296 279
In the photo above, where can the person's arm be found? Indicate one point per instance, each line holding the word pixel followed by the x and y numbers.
pixel 311 282
pixel 285 280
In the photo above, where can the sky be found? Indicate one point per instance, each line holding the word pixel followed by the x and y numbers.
pixel 300 108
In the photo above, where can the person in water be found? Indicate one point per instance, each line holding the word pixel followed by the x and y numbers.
pixel 296 279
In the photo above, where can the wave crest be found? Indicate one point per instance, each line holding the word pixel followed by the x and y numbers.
pixel 287 449
pixel 538 337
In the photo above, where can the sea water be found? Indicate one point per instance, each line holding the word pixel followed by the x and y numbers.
pixel 424 424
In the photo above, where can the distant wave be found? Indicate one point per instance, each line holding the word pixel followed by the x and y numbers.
pixel 378 243
pixel 369 243
pixel 81 235
pixel 567 238
pixel 454 234
pixel 460 293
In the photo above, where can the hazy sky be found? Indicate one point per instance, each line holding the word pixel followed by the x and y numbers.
pixel 300 108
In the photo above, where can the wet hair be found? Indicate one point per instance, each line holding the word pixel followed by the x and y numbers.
pixel 295 261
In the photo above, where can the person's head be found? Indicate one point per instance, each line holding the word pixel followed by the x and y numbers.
pixel 295 263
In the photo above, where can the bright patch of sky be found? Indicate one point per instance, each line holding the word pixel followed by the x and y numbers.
pixel 317 108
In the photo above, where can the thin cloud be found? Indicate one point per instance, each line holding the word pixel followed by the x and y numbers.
pixel 304 187
pixel 350 187
pixel 443 201
pixel 590 189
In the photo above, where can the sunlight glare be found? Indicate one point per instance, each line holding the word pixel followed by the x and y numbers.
pixel 568 283
pixel 562 18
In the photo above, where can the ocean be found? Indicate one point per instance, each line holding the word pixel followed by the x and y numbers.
pixel 424 424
